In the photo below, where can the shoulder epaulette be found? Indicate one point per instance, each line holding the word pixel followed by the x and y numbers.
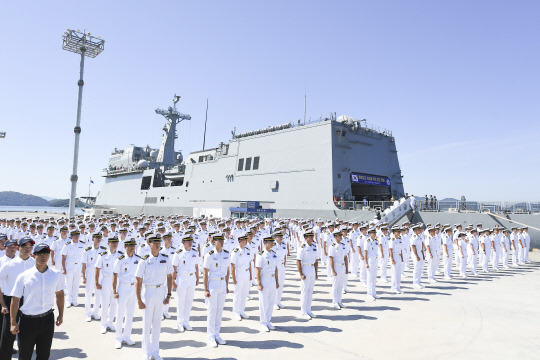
pixel 235 250
pixel 226 251
pixel 145 257
pixel 103 247
pixel 165 255
pixel 172 247
pixel 303 245
pixel 88 248
pixel 261 252
pixel 69 242
pixel 121 257
pixel 179 251
pixel 136 255
pixel 103 253
pixel 207 245
pixel 334 244
pixel 121 252
pixel 211 252
pixel 143 244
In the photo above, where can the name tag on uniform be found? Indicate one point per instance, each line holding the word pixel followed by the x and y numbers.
pixel 136 262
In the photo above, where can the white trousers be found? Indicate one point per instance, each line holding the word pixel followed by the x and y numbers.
pixel 417 271
pixel 89 290
pixel 73 282
pixel 215 302
pixel 267 298
pixel 463 266
pixel 354 261
pixel 431 263
pixel 362 271
pixel 281 280
pixel 448 264
pixel 241 291
pixel 108 302
pixel 495 255
pixel 126 307
pixel 306 289
pixel 153 299
pixel 185 291
pixel 521 254
pixel 515 257
pixel 485 261
pixel 396 274
pixel 338 283
pixel 472 262
pixel 406 252
pixel 371 278
pixel 505 256
pixel 383 263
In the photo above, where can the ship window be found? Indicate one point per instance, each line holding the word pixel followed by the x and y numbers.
pixel 248 163
pixel 240 164
pixel 256 162
pixel 146 181
pixel 201 158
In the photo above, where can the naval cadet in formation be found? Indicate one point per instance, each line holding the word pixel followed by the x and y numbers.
pixel 153 274
pixel 252 251
pixel 268 281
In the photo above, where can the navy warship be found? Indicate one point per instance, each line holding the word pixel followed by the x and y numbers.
pixel 336 167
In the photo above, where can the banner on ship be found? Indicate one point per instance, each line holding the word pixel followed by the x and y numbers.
pixel 366 179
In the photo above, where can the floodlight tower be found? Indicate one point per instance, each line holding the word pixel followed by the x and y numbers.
pixel 86 45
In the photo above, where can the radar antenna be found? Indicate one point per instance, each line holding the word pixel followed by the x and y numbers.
pixel 167 155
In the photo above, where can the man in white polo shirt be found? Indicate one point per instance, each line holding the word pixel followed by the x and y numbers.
pixel 39 286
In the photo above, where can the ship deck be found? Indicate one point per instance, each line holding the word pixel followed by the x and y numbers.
pixel 492 316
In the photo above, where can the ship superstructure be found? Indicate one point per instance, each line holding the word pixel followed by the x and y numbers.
pixel 286 170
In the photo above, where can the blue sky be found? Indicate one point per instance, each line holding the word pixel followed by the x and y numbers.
pixel 456 81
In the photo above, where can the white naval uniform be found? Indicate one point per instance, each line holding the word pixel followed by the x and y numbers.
pixel 217 264
pixel 153 271
pixel 89 258
pixel 73 251
pixel 383 257
pixel 505 244
pixel 362 272
pixel 338 252
pixel 308 256
pixel 472 261
pixel 170 252
pixel 515 246
pixel 105 263
pixel 416 240
pixel 125 268
pixel 463 244
pixel 396 244
pixel 430 242
pixel 447 263
pixel 242 259
pixel 372 248
pixel 185 261
pixel 267 262
pixel 281 252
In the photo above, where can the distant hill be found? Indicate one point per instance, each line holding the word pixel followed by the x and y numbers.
pixel 64 203
pixel 48 198
pixel 12 198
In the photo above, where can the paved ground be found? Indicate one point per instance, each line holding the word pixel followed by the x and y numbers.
pixel 493 316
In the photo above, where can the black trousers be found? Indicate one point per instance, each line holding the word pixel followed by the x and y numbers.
pixel 38 333
pixel 7 338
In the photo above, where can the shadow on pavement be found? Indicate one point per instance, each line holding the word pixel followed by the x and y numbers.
pixel 265 344
pixel 73 353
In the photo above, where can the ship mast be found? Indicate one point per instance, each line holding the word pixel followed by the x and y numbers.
pixel 166 155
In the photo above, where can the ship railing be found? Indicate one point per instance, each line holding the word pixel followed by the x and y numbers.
pixel 514 207
pixel 361 205
pixel 122 170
